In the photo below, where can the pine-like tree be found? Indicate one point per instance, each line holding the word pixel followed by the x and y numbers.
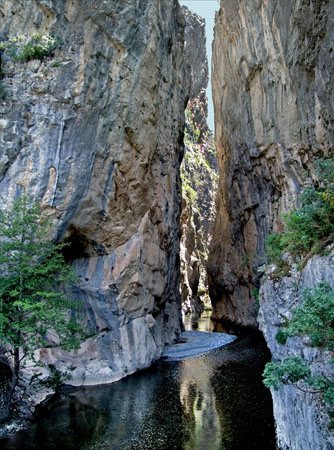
pixel 34 310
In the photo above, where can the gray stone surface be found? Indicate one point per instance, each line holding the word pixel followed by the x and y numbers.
pixel 196 343
pixel 273 67
pixel 301 419
pixel 95 133
pixel 199 169
pixel 195 52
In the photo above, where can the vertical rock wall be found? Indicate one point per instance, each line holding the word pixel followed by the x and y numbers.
pixel 302 420
pixel 195 53
pixel 273 66
pixel 198 173
pixel 95 134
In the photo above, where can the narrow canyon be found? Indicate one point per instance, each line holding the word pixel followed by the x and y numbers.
pixel 162 216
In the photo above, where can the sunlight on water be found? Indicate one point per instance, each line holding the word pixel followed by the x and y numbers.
pixel 211 402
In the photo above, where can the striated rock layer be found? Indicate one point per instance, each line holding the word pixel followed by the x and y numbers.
pixel 198 173
pixel 195 52
pixel 95 134
pixel 273 66
pixel 301 418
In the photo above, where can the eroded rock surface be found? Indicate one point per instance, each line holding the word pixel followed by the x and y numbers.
pixel 273 66
pixel 94 133
pixel 301 418
pixel 198 172
pixel 195 51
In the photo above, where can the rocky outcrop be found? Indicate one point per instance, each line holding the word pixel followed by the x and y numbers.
pixel 95 133
pixel 273 67
pixel 301 418
pixel 199 187
pixel 195 52
pixel 198 172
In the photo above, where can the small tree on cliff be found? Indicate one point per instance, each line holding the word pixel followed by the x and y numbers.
pixel 33 308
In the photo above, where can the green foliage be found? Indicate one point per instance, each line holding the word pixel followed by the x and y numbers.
pixel 33 306
pixel 290 371
pixel 54 381
pixel 195 167
pixel 256 295
pixel 325 172
pixel 309 228
pixel 191 133
pixel 314 318
pixel 3 92
pixel 27 47
pixel 275 248
pixel 202 290
pixel 188 191
pixel 310 225
pixel 275 253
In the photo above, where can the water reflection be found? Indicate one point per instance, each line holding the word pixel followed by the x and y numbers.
pixel 205 323
pixel 198 322
pixel 212 402
pixel 198 400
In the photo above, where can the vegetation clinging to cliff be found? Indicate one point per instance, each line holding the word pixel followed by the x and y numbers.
pixel 314 318
pixel 199 184
pixel 196 162
pixel 26 47
pixel 309 228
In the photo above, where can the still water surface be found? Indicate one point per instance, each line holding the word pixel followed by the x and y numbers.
pixel 212 402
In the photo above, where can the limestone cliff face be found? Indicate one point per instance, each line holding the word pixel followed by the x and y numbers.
pixel 273 66
pixel 301 418
pixel 198 172
pixel 195 52
pixel 94 133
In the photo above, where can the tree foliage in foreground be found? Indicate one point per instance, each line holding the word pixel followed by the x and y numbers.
pixel 34 311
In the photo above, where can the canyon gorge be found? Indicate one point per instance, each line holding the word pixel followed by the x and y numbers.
pixel 97 132
pixel 273 96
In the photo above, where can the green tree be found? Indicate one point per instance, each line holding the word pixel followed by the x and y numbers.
pixel 34 311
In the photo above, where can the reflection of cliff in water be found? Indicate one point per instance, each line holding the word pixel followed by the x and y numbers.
pixel 242 402
pixel 197 398
pixel 212 402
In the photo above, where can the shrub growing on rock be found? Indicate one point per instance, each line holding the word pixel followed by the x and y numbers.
pixel 314 318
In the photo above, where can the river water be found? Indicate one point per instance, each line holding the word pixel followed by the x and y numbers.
pixel 211 402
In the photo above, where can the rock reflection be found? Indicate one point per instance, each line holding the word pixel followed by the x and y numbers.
pixel 207 403
pixel 197 322
pixel 197 398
